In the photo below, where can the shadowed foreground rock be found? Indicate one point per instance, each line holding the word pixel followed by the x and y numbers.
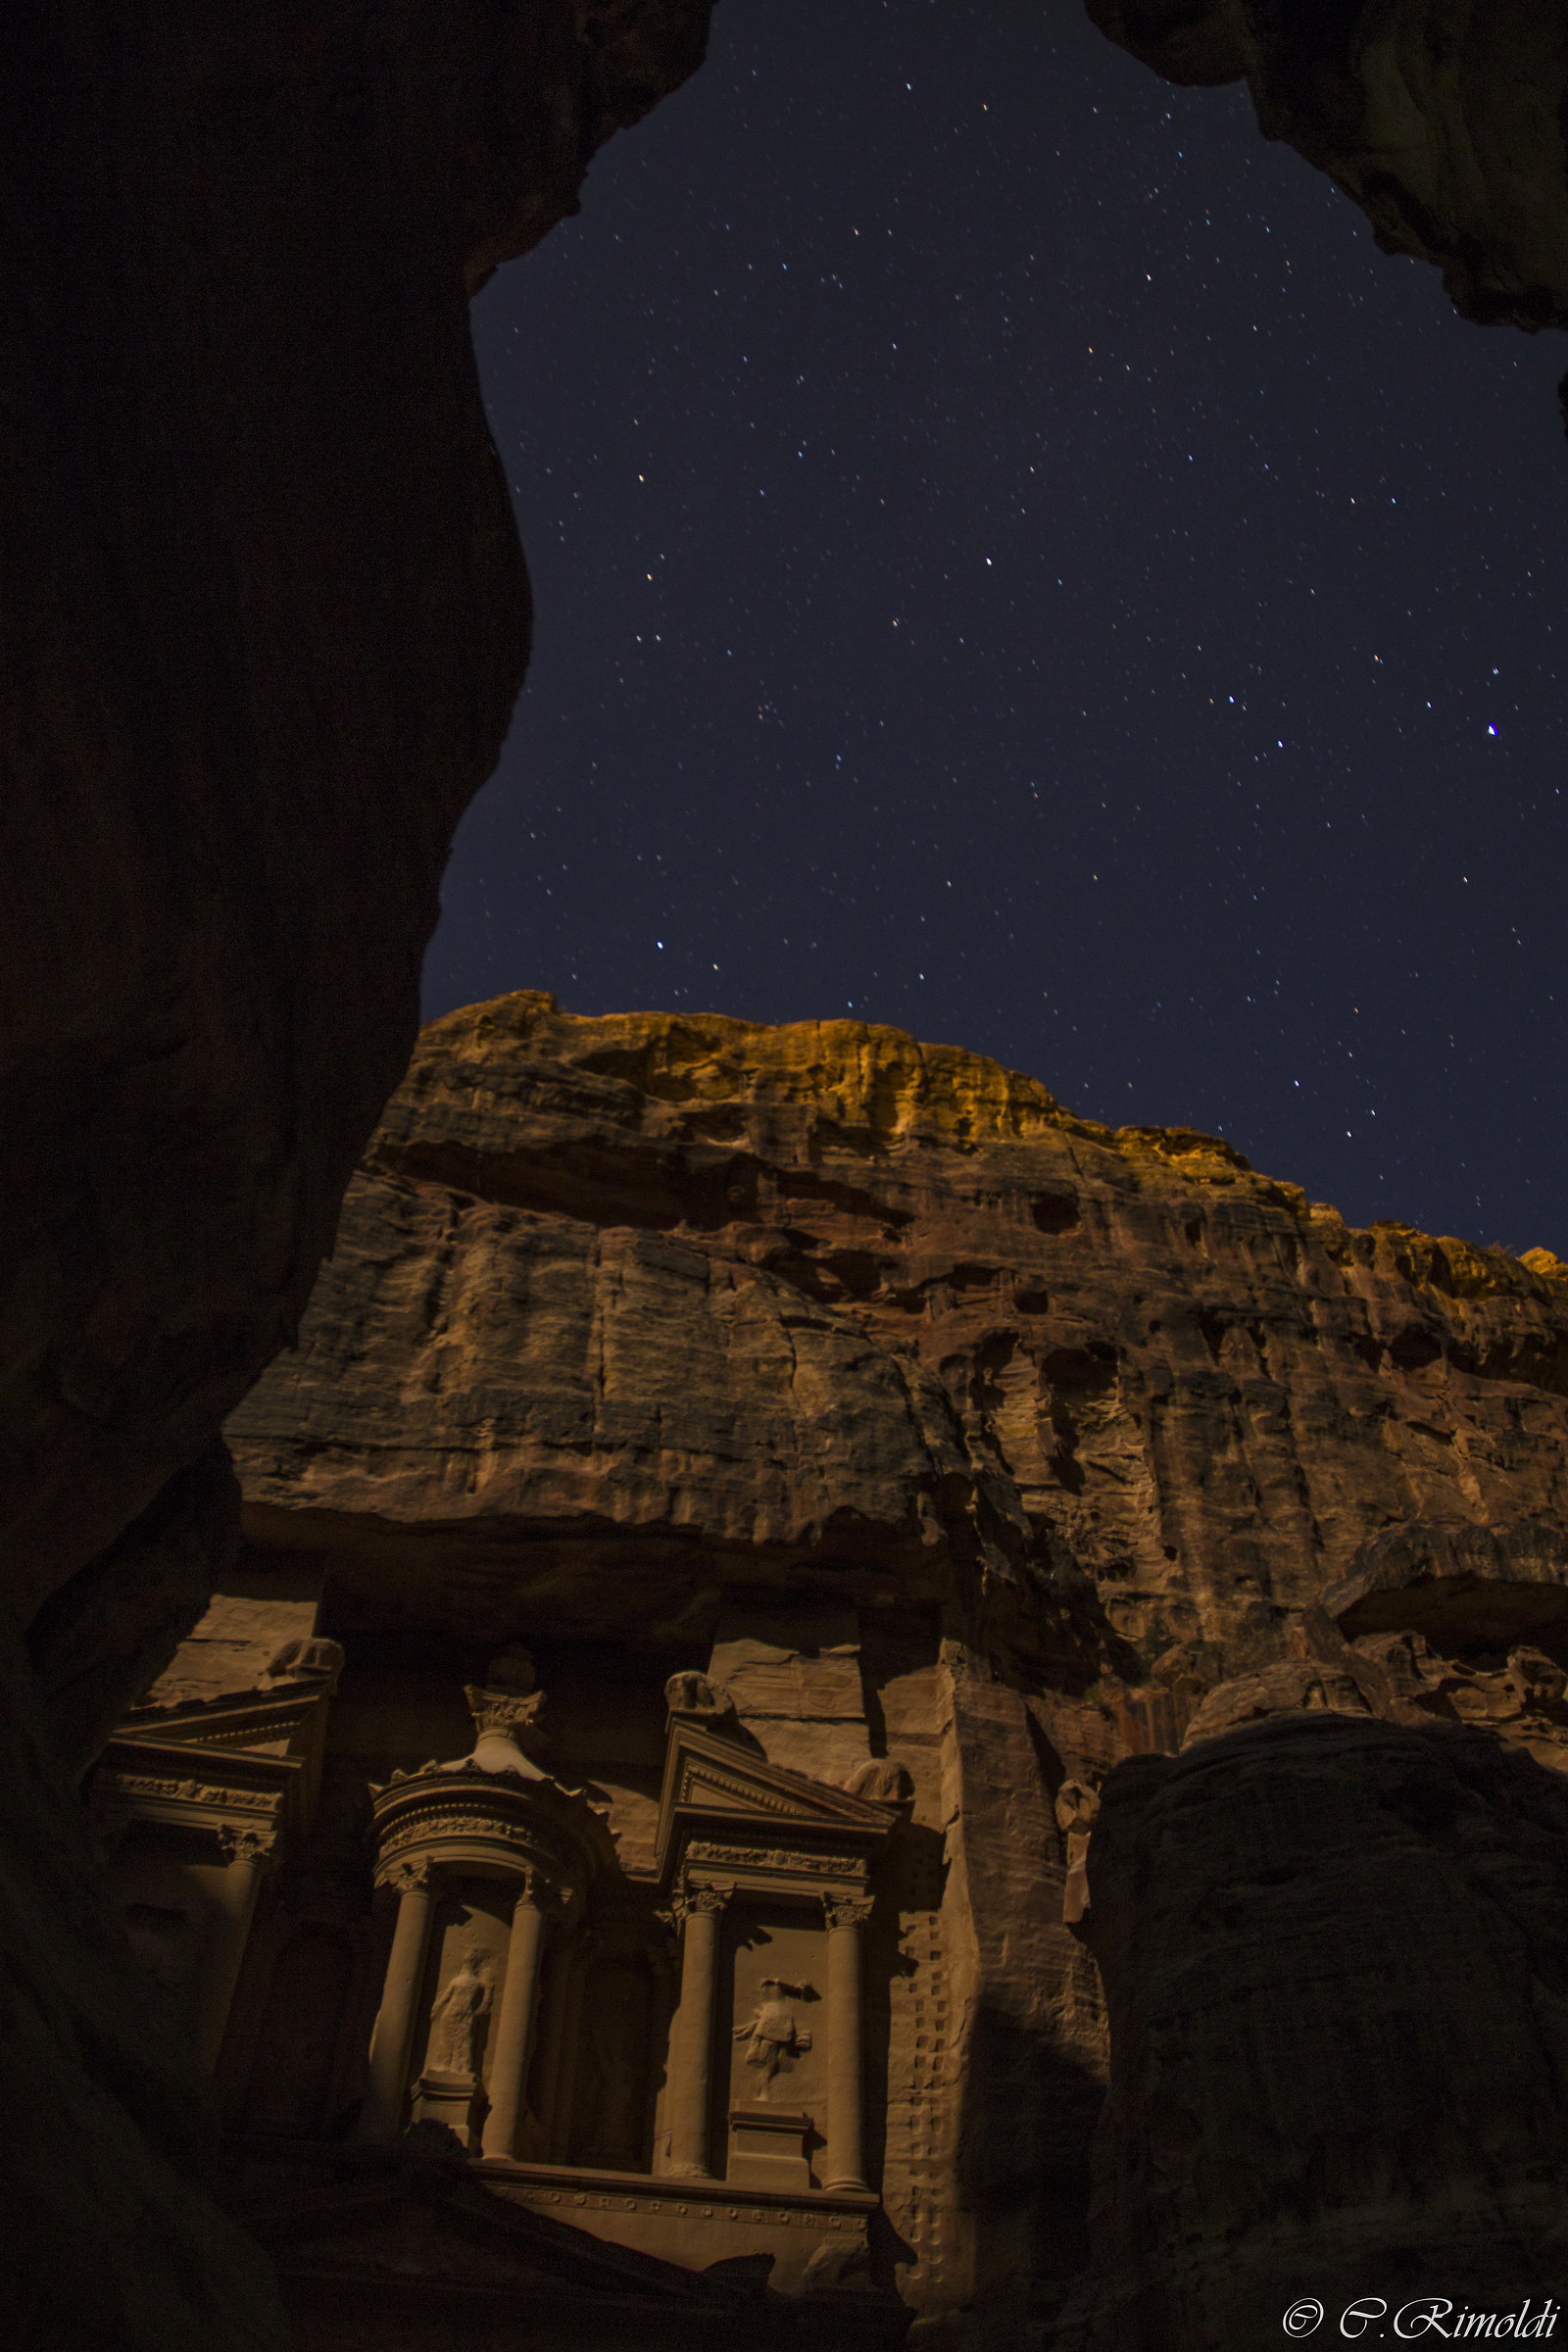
pixel 1441 119
pixel 1333 1960
pixel 264 619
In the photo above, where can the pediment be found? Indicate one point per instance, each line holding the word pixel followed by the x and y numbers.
pixel 709 1779
pixel 271 1720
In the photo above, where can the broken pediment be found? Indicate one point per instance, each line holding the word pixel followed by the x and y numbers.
pixel 712 1783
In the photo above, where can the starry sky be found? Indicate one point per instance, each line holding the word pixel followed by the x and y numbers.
pixel 1015 561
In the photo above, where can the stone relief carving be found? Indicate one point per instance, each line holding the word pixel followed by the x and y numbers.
pixel 774 2034
pixel 773 1857
pixel 847 1910
pixel 407 1877
pixel 883 1781
pixel 245 1843
pixel 694 1700
pixel 456 2019
pixel 312 1659
pixel 1076 1807
pixel 509 1700
pixel 190 1793
pixel 709 1899
pixel 427 1827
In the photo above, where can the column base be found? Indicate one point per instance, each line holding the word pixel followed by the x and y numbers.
pixel 767 2148
pixel 452 2100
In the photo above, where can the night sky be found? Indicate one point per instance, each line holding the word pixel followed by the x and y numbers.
pixel 1014 561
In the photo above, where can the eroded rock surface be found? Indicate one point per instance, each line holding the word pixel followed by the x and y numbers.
pixel 1333 1958
pixel 623 1308
pixel 1443 122
pixel 937 1427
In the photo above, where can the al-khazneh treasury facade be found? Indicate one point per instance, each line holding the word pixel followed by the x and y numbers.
pixel 680 1959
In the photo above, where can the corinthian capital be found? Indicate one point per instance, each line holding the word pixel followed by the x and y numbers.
pixel 709 1900
pixel 847 1910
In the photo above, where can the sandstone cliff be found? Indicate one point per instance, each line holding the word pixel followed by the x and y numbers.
pixel 265 619
pixel 636 1321
pixel 623 1308
pixel 1443 122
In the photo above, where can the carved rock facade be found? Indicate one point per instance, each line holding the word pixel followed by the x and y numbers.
pixel 939 1450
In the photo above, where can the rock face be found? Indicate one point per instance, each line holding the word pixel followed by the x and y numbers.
pixel 617 1300
pixel 947 1430
pixel 265 619
pixel 1333 1956
pixel 1445 122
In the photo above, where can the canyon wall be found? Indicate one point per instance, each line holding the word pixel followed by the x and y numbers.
pixel 1443 122
pixel 650 1336
pixel 266 615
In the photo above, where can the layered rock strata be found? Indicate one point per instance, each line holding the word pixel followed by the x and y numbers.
pixel 1444 124
pixel 264 622
pixel 946 1429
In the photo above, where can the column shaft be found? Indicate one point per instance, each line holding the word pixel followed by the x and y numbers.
pixel 230 1931
pixel 392 2040
pixel 691 2051
pixel 844 2160
pixel 513 2040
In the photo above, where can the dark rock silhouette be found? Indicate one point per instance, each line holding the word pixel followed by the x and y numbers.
pixel 1443 123
pixel 265 617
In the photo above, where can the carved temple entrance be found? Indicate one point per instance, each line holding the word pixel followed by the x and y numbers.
pixel 659 2042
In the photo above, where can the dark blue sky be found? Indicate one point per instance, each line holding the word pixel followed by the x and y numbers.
pixel 1013 559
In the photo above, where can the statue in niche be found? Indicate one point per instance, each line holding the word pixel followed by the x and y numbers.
pixel 775 2034
pixel 455 2019
pixel 164 1941
pixel 292 2077
pixel 616 2034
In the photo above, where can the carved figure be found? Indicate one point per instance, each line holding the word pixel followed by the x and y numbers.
pixel 1076 1807
pixel 508 1701
pixel 775 2034
pixel 693 1694
pixel 456 2018
pixel 883 1780
pixel 315 1660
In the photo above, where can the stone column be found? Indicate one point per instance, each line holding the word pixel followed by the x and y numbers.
pixel 392 2040
pixel 691 2041
pixel 245 1852
pixel 844 2164
pixel 513 2041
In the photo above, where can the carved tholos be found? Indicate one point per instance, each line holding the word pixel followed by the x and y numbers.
pixel 496 1824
